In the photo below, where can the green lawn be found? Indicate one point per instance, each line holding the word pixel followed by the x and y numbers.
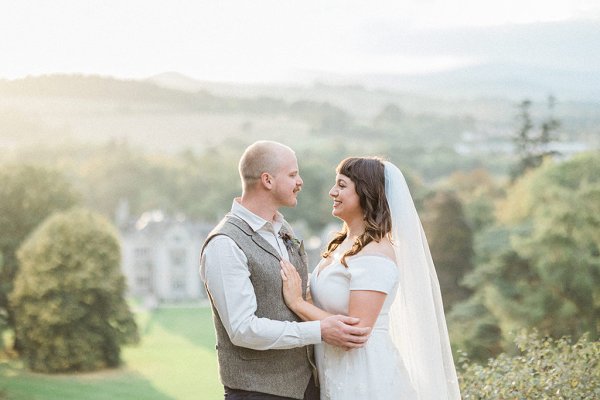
pixel 175 360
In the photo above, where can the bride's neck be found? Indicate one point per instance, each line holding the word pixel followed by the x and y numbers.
pixel 354 230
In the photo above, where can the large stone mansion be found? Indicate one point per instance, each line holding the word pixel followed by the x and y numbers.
pixel 160 257
pixel 161 254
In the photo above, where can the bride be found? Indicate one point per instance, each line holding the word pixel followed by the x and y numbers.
pixel 378 268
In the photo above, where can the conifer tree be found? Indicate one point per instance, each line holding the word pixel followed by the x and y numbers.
pixel 532 145
pixel 451 244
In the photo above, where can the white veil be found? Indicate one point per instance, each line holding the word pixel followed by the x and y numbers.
pixel 417 322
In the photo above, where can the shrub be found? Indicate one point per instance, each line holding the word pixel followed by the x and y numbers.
pixel 28 195
pixel 68 296
pixel 544 368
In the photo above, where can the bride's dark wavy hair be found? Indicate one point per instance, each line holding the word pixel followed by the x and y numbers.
pixel 368 175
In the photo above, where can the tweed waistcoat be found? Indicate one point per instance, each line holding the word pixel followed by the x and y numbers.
pixel 279 372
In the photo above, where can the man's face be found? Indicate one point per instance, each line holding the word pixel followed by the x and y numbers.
pixel 287 181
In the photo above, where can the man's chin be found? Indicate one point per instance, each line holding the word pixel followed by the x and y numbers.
pixel 292 203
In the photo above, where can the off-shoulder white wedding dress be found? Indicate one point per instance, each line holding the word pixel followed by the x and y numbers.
pixel 375 371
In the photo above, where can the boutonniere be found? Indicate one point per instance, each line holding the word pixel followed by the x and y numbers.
pixel 290 242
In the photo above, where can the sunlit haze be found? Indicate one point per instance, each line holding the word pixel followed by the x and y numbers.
pixel 261 41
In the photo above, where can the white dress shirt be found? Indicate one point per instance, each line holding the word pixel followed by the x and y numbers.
pixel 224 269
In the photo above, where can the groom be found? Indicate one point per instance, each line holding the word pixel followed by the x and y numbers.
pixel 264 352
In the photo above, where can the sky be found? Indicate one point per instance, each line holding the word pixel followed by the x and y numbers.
pixel 280 40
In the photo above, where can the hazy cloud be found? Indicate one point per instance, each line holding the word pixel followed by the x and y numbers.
pixel 270 39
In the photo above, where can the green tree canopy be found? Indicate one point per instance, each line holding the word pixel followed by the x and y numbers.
pixel 451 244
pixel 478 191
pixel 199 186
pixel 68 297
pixel 27 196
pixel 544 271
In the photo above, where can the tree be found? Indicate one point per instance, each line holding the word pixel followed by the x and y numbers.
pixel 562 246
pixel 323 117
pixel 474 330
pixel 478 191
pixel 451 244
pixel 27 196
pixel 118 173
pixel 389 116
pixel 197 185
pixel 532 148
pixel 68 296
pixel 545 271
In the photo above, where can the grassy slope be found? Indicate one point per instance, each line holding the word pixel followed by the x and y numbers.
pixel 175 360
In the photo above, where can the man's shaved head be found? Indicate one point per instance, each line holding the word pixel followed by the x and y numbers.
pixel 259 157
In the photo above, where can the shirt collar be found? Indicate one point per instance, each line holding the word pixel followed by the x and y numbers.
pixel 256 222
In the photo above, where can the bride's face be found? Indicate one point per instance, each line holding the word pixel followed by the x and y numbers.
pixel 346 203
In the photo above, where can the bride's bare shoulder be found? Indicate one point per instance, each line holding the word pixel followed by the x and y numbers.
pixel 383 247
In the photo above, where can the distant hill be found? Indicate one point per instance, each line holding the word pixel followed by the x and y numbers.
pixel 496 80
pixel 487 93
pixel 509 82
pixel 100 88
pixel 175 80
pixel 188 111
pixel 97 109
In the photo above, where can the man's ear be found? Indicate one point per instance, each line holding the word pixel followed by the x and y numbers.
pixel 266 180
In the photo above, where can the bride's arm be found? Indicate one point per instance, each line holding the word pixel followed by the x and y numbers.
pixel 371 282
pixel 292 294
pixel 366 305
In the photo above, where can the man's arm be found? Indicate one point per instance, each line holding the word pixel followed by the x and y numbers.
pixel 224 269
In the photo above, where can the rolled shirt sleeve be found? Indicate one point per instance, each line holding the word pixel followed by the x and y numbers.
pixel 224 269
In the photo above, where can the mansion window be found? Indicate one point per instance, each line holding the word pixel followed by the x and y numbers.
pixel 178 257
pixel 143 269
pixel 178 283
pixel 143 276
